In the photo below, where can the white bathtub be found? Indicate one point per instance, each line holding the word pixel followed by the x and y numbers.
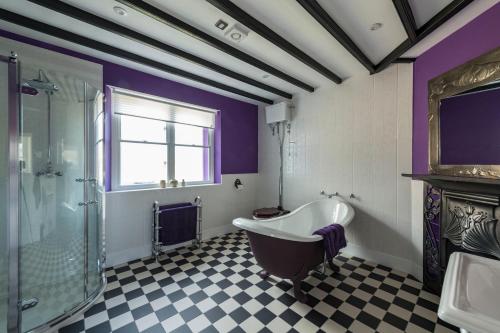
pixel 300 224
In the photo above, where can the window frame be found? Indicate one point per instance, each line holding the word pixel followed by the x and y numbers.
pixel 116 141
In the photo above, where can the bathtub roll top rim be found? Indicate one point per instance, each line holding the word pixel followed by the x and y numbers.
pixel 300 224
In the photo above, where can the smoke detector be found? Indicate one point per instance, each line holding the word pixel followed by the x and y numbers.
pixel 237 33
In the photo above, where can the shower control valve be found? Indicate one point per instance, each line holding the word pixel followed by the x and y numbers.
pixel 92 202
pixel 83 180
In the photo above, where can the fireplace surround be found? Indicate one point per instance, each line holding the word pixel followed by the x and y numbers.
pixel 462 187
pixel 460 214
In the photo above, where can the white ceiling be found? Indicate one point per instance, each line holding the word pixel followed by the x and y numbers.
pixel 424 10
pixel 466 15
pixel 357 16
pixel 285 17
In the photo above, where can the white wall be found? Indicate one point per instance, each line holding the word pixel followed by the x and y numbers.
pixel 352 138
pixel 53 62
pixel 129 214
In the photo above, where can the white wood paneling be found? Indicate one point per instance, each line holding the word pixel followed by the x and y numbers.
pixel 129 213
pixel 355 138
pixel 385 159
pixel 268 172
pixel 344 138
pixel 363 134
pixel 404 155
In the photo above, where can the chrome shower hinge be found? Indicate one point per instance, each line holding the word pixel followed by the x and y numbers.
pixel 28 303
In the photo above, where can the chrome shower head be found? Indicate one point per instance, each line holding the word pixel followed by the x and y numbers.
pixel 28 90
pixel 42 85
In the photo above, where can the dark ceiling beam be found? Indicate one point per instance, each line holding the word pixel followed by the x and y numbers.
pixel 104 24
pixel 117 52
pixel 435 22
pixel 173 22
pixel 253 24
pixel 404 60
pixel 322 17
pixel 406 16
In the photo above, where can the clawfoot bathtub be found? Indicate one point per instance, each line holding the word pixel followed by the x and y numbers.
pixel 286 247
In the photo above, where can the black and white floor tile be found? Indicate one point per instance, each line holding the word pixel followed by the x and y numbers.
pixel 51 272
pixel 217 289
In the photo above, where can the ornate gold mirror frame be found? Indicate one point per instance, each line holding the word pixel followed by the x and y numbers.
pixel 475 73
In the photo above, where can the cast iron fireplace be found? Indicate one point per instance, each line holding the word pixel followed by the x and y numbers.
pixel 458 218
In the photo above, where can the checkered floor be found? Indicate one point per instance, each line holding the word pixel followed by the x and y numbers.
pixel 217 289
pixel 51 270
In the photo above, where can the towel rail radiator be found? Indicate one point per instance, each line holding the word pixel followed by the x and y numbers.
pixel 157 244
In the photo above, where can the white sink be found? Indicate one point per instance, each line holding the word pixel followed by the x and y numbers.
pixel 471 293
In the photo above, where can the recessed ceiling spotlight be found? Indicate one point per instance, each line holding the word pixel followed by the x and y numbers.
pixel 236 33
pixel 376 26
pixel 236 36
pixel 120 10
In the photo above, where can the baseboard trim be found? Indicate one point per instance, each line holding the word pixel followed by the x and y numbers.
pixel 117 258
pixel 419 271
pixel 397 263
pixel 121 257
pixel 217 231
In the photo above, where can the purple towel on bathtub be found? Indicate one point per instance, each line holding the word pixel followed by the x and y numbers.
pixel 333 239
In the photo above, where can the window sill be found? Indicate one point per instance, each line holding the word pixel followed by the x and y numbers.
pixel 169 188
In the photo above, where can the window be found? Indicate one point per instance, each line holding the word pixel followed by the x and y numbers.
pixel 158 139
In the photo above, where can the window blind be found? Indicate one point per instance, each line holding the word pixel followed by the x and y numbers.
pixel 139 105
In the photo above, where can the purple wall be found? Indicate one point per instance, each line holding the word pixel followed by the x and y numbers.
pixel 475 38
pixel 236 124
pixel 469 128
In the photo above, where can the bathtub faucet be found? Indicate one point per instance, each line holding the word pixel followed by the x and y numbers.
pixel 329 196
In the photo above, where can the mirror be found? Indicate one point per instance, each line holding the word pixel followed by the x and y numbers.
pixel 464 119
pixel 469 126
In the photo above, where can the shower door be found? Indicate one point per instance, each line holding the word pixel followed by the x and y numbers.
pixel 8 194
pixel 4 98
pixel 95 190
pixel 60 203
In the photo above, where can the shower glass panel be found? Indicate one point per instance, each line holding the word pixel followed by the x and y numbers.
pixel 3 200
pixel 60 202
pixel 94 188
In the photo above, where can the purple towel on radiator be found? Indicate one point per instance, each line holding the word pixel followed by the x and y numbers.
pixel 178 223
pixel 333 239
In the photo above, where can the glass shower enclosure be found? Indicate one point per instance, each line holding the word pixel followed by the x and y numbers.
pixel 52 200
